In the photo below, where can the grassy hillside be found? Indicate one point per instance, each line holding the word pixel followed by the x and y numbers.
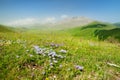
pixel 97 31
pixel 5 29
pixel 117 24
pixel 37 55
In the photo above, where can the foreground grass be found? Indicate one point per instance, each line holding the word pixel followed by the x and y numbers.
pixel 19 60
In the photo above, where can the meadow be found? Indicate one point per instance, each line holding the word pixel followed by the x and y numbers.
pixel 58 55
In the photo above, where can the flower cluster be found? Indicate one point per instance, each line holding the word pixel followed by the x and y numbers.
pixel 53 56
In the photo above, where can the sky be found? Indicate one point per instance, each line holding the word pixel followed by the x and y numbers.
pixel 50 10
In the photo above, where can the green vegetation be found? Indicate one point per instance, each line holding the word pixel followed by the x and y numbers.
pixel 97 31
pixel 100 60
pixel 5 29
pixel 117 24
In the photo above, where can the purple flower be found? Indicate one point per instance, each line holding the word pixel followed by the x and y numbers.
pixel 53 54
pixel 79 67
pixel 38 50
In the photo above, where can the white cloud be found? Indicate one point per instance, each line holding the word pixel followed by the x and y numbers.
pixel 64 16
pixel 31 21
pixel 21 22
pixel 49 20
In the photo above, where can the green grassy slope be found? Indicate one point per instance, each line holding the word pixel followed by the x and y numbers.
pixel 97 30
pixel 117 24
pixel 100 60
pixel 18 58
pixel 5 29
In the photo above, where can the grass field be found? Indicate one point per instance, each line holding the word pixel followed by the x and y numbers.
pixel 62 52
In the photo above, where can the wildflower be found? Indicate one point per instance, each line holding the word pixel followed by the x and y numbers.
pixel 54 76
pixel 50 57
pixel 53 54
pixel 47 79
pixel 60 56
pixel 17 56
pixel 68 69
pixel 60 66
pixel 8 42
pixel 55 61
pixel 27 50
pixel 50 61
pixel 53 58
pixel 63 51
pixel 79 67
pixel 43 73
pixel 51 64
pixel 38 50
pixel 18 41
pixel 54 45
pixel 31 55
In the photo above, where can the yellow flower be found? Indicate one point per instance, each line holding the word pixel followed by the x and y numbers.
pixel 8 42
pixel 47 79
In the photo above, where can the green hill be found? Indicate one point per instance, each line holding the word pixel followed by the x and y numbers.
pixel 117 24
pixel 5 29
pixel 97 30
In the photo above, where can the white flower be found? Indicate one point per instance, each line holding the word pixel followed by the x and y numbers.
pixel 54 76
pixel 68 69
pixel 51 64
pixel 53 58
pixel 43 73
pixel 31 55
pixel 60 56
pixel 17 56
pixel 63 51
pixel 55 61
pixel 60 66
pixel 50 61
pixel 27 50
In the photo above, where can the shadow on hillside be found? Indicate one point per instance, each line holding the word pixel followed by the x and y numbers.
pixel 94 26
pixel 104 34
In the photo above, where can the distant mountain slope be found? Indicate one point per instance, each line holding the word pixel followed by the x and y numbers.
pixel 73 22
pixel 97 30
pixel 117 24
pixel 5 29
pixel 66 23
